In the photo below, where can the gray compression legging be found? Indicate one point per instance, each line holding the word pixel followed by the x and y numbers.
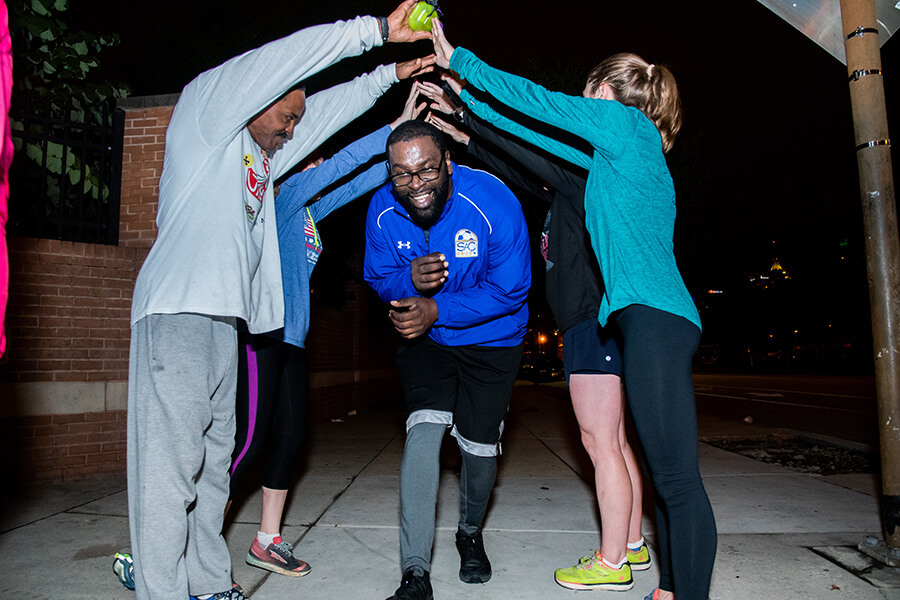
pixel 659 347
pixel 419 479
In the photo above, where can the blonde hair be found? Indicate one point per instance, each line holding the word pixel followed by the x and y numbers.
pixel 647 87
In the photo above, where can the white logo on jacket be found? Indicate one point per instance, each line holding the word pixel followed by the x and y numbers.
pixel 466 244
pixel 402 245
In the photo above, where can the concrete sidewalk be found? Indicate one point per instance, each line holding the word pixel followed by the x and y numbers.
pixel 775 525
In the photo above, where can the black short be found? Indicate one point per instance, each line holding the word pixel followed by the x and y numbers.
pixel 474 383
pixel 589 348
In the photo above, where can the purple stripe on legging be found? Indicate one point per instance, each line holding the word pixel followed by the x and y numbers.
pixel 252 396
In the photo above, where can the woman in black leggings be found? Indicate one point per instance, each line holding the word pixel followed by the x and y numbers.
pixel 630 114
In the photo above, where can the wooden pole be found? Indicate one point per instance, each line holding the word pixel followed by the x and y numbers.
pixel 882 245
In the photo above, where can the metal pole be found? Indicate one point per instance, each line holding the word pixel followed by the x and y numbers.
pixel 882 246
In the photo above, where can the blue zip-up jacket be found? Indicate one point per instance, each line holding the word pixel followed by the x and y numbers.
pixel 298 236
pixel 482 234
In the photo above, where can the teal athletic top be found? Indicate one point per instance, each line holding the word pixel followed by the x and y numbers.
pixel 630 198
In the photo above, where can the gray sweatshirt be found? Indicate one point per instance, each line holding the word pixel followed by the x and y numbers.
pixel 216 251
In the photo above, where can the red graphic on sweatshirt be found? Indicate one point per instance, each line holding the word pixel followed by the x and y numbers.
pixel 256 186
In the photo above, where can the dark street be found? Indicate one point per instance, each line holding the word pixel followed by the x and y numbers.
pixel 841 407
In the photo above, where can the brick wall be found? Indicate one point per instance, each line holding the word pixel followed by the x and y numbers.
pixel 142 161
pixel 63 387
pixel 68 446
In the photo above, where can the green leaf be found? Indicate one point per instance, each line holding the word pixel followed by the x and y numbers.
pixel 38 7
pixel 80 47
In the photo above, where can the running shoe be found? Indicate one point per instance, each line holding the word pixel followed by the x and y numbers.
pixel 474 566
pixel 594 574
pixel 234 593
pixel 277 558
pixel 123 567
pixel 415 585
pixel 638 560
pixel 654 595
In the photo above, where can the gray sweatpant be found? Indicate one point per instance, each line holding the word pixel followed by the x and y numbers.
pixel 181 388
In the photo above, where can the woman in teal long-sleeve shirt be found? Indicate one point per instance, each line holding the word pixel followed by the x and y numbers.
pixel 630 113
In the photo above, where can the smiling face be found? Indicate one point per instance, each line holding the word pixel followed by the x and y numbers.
pixel 423 200
pixel 275 125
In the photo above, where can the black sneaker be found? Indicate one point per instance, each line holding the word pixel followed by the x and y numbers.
pixel 415 585
pixel 474 566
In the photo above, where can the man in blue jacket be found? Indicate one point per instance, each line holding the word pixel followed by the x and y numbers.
pixel 447 247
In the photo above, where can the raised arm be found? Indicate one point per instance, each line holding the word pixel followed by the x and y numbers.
pixel 495 163
pixel 232 93
pixel 299 189
pixel 332 109
pixel 587 118
pixel 559 177
pixel 359 153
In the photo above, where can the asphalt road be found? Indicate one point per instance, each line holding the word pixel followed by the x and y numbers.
pixel 842 407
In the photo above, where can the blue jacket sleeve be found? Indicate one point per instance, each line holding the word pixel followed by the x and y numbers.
pixel 298 189
pixel 603 123
pixel 505 287
pixel 382 268
pixel 363 183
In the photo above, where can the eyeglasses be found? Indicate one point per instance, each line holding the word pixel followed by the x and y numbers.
pixel 424 175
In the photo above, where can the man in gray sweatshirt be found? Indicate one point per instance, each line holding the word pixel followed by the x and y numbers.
pixel 235 129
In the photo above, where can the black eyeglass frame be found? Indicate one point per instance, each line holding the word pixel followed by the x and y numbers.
pixel 437 173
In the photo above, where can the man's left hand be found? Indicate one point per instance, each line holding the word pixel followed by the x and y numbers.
pixel 415 67
pixel 414 316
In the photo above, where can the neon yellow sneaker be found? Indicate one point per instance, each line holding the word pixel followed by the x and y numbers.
pixel 638 560
pixel 594 574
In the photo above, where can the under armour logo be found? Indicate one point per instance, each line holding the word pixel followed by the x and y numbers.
pixel 402 245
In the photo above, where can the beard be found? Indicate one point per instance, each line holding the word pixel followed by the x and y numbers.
pixel 426 217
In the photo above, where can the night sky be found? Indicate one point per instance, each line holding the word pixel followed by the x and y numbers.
pixel 765 154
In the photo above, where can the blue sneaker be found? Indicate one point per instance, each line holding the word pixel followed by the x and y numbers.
pixel 123 567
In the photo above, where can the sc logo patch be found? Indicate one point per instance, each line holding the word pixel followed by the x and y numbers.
pixel 466 244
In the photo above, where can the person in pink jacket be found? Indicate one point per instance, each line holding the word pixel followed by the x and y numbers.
pixel 6 154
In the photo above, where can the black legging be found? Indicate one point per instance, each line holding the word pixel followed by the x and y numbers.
pixel 659 347
pixel 271 410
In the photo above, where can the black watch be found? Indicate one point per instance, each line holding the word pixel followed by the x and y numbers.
pixel 385 30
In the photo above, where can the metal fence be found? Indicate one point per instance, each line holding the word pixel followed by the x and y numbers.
pixel 66 176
